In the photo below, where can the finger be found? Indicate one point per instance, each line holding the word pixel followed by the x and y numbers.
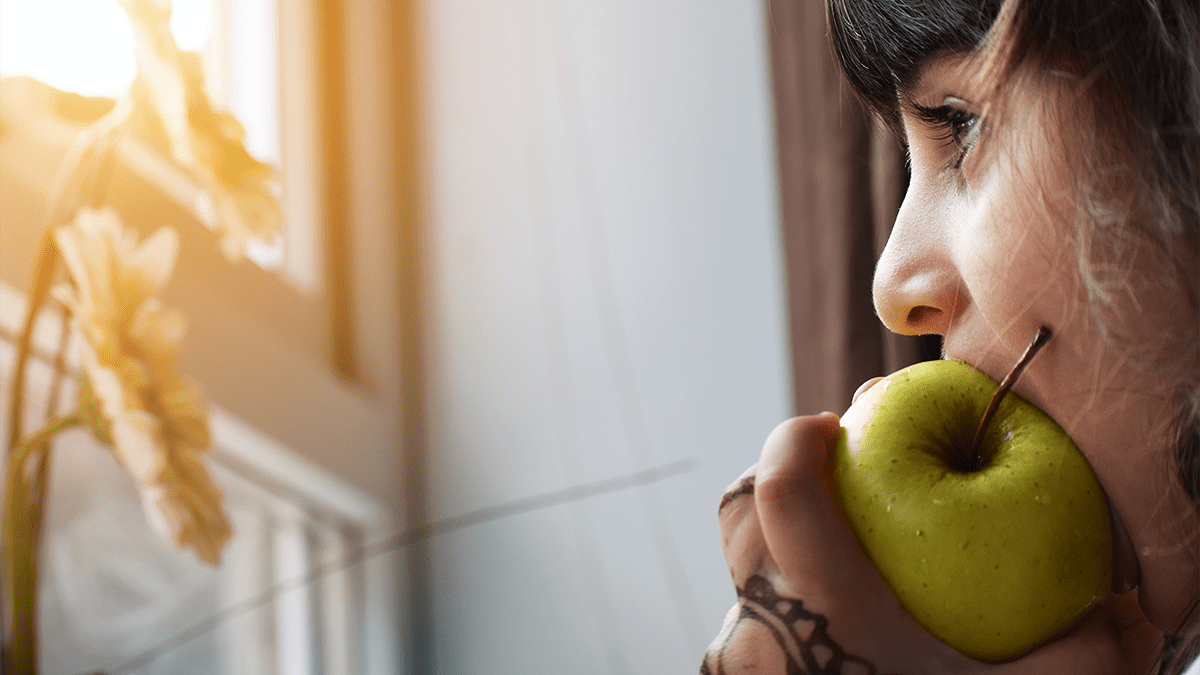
pixel 741 537
pixel 862 388
pixel 741 489
pixel 802 525
pixel 789 498
pixel 745 646
pixel 1092 648
pixel 727 626
pixel 821 561
pixel 747 642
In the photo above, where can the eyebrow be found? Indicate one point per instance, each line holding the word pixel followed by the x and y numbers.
pixel 906 89
pixel 914 80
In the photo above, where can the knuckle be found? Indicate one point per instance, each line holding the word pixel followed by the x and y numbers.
pixel 743 488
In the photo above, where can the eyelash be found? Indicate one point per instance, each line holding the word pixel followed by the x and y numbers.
pixel 958 126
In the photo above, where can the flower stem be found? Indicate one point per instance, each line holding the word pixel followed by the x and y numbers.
pixel 24 506
pixel 43 276
pixel 82 176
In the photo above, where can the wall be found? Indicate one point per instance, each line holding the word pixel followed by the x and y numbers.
pixel 605 332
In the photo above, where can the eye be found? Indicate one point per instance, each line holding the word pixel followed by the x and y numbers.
pixel 957 125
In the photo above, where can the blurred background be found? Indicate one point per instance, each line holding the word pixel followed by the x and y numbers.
pixel 550 273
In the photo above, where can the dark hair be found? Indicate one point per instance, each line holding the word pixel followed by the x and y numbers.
pixel 880 45
pixel 1138 64
pixel 1148 51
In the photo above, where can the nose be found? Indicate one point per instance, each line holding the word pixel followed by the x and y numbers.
pixel 918 289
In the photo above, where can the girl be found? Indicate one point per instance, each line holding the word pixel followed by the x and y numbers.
pixel 1054 148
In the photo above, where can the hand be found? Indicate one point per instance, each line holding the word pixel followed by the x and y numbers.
pixel 810 601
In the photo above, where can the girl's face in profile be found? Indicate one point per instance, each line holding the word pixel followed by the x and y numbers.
pixel 984 251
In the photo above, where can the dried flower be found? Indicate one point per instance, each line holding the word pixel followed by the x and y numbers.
pixel 239 201
pixel 134 397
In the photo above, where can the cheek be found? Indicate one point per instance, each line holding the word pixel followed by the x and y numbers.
pixel 1017 261
pixel 1019 264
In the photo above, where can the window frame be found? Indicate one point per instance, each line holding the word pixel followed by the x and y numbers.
pixel 315 365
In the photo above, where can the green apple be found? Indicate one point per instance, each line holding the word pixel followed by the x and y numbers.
pixel 995 552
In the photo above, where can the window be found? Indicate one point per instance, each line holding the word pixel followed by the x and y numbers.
pixel 253 59
pixel 263 339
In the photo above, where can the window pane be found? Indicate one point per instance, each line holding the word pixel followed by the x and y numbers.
pixel 82 46
pixel 86 47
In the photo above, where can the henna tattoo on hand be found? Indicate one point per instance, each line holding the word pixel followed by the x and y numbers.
pixel 743 487
pixel 802 636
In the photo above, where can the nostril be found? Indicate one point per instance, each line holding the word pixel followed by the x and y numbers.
pixel 923 315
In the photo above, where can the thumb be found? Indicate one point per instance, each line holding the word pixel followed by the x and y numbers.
pixel 820 559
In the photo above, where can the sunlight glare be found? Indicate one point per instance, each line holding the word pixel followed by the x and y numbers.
pixel 83 46
pixel 86 46
pixel 191 23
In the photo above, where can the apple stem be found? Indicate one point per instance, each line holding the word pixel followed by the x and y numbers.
pixel 1040 339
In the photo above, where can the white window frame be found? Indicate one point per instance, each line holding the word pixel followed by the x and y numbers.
pixel 310 520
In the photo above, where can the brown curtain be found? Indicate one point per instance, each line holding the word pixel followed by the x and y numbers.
pixel 842 179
